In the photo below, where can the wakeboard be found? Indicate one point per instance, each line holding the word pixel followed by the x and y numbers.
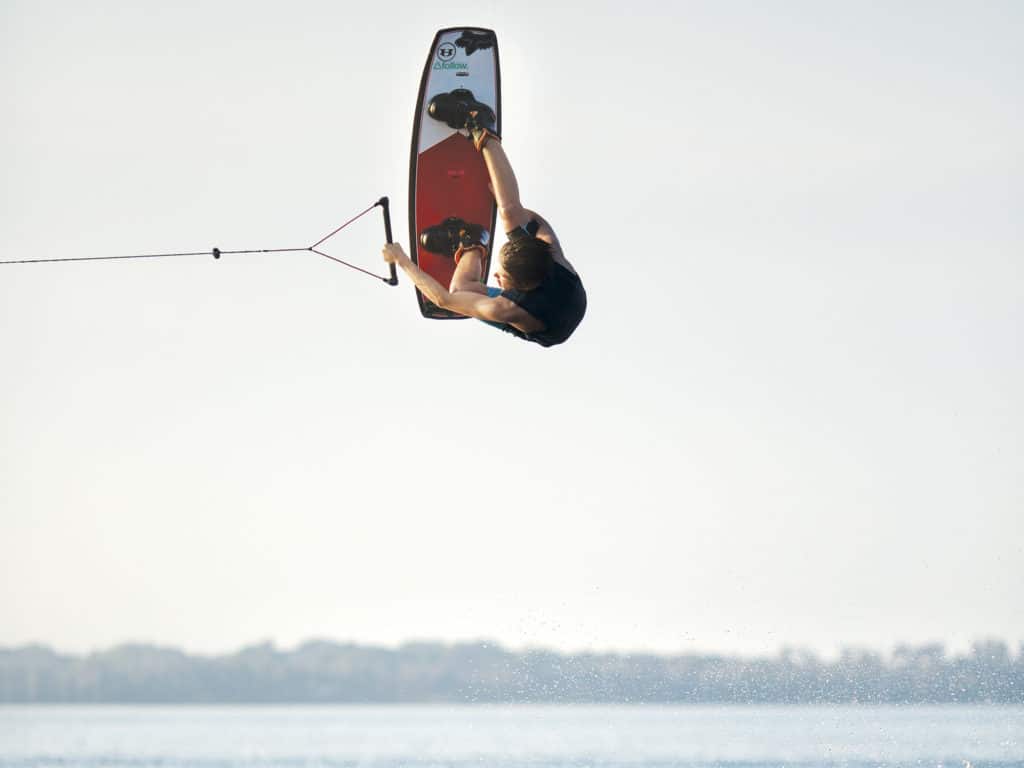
pixel 449 202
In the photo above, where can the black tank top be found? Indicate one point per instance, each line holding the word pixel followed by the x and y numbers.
pixel 559 302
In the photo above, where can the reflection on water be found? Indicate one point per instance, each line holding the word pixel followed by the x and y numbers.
pixel 505 736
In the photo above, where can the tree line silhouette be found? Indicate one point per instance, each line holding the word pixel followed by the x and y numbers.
pixel 329 672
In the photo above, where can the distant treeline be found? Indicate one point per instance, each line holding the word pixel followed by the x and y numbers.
pixel 326 672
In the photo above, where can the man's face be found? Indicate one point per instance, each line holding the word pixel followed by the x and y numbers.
pixel 504 279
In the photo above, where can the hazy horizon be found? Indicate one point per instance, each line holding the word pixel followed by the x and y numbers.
pixel 488 673
pixel 1015 647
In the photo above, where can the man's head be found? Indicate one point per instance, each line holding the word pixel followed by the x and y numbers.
pixel 524 263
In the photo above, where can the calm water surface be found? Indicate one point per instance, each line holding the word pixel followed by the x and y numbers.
pixel 507 736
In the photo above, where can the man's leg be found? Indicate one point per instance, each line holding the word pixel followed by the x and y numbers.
pixel 469 272
pixel 504 185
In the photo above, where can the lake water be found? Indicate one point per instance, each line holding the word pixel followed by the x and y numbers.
pixel 507 736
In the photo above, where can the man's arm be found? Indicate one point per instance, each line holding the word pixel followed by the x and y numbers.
pixel 468 303
pixel 505 189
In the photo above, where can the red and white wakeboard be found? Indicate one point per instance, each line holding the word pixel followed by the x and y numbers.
pixel 447 175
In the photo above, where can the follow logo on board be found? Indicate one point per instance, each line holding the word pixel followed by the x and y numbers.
pixel 445 53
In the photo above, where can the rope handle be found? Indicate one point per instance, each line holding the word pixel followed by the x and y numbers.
pixel 383 203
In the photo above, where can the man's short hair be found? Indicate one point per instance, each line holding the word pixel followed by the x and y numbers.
pixel 527 261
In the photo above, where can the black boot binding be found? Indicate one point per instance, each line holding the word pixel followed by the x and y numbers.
pixel 475 41
pixel 454 109
pixel 452 234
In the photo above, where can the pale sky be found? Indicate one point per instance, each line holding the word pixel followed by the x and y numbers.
pixel 792 415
